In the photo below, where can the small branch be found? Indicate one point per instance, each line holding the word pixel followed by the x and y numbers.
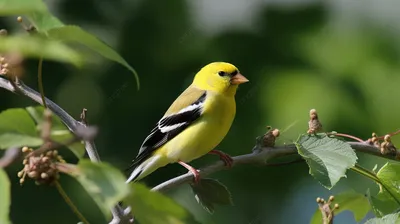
pixel 40 82
pixel 347 136
pixel 258 156
pixel 25 90
pixel 70 203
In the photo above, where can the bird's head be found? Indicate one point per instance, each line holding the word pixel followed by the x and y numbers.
pixel 220 77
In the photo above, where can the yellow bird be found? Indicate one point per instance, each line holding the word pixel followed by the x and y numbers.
pixel 194 124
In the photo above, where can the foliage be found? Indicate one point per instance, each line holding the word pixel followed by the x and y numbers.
pixel 49 26
pixel 162 209
pixel 387 219
pixel 105 184
pixel 209 192
pixel 328 158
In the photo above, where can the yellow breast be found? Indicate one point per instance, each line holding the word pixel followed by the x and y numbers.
pixel 204 134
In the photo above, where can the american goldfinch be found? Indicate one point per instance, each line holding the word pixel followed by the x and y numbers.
pixel 194 124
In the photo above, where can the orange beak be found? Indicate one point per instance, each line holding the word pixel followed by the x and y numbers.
pixel 238 79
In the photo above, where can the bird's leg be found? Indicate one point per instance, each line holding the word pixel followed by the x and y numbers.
pixel 195 173
pixel 224 157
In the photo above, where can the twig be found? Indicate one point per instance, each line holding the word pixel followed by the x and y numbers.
pixel 258 156
pixel 70 203
pixel 40 82
pixel 72 124
pixel 347 136
pixel 10 156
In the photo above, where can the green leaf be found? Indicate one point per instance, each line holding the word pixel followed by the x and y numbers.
pixel 352 201
pixel 14 7
pixel 104 183
pixel 209 192
pixel 389 176
pixel 8 140
pixel 78 35
pixel 5 197
pixel 44 21
pixel 384 202
pixel 328 158
pixel 17 129
pixel 59 132
pixel 35 46
pixel 388 219
pixel 17 120
pixel 152 207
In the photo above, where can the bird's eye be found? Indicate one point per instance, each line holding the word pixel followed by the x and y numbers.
pixel 221 73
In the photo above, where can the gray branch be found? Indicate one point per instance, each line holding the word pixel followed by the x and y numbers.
pixel 119 217
pixel 259 156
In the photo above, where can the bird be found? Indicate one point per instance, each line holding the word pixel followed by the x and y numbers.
pixel 195 123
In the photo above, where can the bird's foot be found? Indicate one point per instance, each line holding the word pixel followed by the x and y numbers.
pixel 195 172
pixel 224 157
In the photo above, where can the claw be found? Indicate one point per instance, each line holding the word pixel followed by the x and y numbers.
pixel 195 173
pixel 224 157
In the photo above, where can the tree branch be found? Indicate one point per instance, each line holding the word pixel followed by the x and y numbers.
pixel 73 125
pixel 259 156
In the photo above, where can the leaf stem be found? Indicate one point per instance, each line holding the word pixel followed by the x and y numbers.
pixel 364 172
pixel 40 81
pixel 69 202
pixel 347 136
pixel 391 134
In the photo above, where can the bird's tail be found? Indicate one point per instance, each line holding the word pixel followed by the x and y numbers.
pixel 147 167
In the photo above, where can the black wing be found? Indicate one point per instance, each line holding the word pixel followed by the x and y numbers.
pixel 167 128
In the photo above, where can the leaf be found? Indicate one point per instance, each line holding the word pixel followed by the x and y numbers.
pixel 59 132
pixel 17 120
pixel 17 129
pixel 152 207
pixel 8 140
pixel 13 7
pixel 35 46
pixel 388 219
pixel 209 192
pixel 104 183
pixel 44 21
pixel 384 202
pixel 389 176
pixel 352 201
pixel 328 158
pixel 5 197
pixel 78 35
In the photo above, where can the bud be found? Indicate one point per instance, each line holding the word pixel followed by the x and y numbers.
pixel 25 149
pixel 44 175
pixel 3 32
pixel 33 174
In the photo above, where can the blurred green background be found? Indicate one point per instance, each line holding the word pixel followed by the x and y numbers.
pixel 340 57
